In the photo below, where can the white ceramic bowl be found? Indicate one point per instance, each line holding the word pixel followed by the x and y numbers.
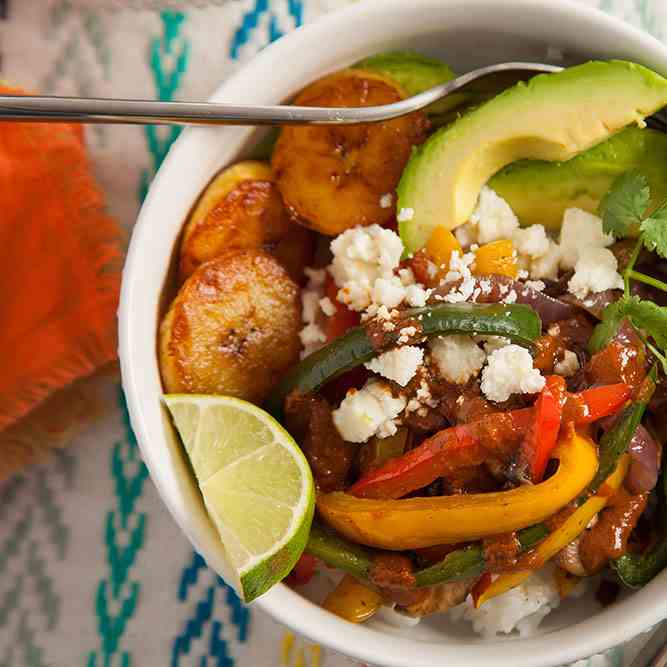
pixel 466 34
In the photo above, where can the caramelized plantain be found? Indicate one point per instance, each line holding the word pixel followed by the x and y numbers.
pixel 242 208
pixel 232 329
pixel 334 177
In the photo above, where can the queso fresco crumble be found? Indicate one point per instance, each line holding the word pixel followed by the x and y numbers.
pixel 371 279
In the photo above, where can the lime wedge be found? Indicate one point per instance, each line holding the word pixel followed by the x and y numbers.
pixel 256 483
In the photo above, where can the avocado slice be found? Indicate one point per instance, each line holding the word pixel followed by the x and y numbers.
pixel 552 117
pixel 539 192
pixel 415 73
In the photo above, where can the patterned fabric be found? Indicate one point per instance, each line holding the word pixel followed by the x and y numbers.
pixel 85 578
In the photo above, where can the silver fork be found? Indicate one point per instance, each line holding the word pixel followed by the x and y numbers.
pixel 147 112
pixel 143 112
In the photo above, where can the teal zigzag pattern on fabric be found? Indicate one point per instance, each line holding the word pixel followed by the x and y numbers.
pixel 203 617
pixel 251 20
pixel 37 539
pixel 125 525
pixel 169 57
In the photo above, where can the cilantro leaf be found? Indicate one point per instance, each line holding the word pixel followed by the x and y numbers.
pixel 612 316
pixel 654 231
pixel 623 207
pixel 648 317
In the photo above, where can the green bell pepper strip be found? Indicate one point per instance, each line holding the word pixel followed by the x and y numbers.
pixel 614 443
pixel 636 570
pixel 358 561
pixel 339 553
pixel 469 561
pixel 518 322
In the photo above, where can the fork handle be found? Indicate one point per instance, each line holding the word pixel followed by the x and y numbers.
pixel 47 109
pixel 145 112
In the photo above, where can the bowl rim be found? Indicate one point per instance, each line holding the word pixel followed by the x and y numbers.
pixel 605 629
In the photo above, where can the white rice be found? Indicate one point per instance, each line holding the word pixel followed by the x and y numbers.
pixel 522 609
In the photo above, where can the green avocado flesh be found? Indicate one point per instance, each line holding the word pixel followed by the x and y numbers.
pixel 552 117
pixel 415 73
pixel 540 192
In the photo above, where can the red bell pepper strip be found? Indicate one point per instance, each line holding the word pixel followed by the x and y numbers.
pixel 542 436
pixel 343 319
pixel 590 405
pixel 303 571
pixel 473 443
pixel 445 451
pixel 480 587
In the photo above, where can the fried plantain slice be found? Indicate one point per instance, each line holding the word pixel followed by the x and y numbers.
pixel 232 329
pixel 334 177
pixel 241 208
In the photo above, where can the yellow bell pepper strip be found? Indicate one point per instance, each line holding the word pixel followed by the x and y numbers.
pixel 573 526
pixel 440 247
pixel 412 523
pixel 352 600
pixel 496 257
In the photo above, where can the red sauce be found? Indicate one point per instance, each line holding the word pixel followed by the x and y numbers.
pixel 618 362
pixel 548 349
pixel 608 538
pixel 330 457
pixel 500 552
pixel 392 571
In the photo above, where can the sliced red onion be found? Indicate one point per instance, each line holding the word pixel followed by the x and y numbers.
pixel 495 288
pixel 593 304
pixel 645 454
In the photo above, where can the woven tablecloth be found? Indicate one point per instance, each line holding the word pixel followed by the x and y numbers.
pixel 93 570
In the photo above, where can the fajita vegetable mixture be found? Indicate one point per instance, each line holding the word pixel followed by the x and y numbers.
pixel 430 353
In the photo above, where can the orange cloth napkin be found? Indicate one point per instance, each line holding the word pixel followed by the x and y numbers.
pixel 60 258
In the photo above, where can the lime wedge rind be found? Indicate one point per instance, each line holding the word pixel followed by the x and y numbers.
pixel 223 488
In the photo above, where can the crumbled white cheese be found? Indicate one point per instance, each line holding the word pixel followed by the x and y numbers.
pixel 361 255
pixel 493 216
pixel 459 270
pixel 310 305
pixel 405 215
pixel 367 412
pixel 536 285
pixel 311 338
pixel 466 234
pixel 399 364
pixel 532 241
pixel 407 277
pixel 510 371
pixel 388 292
pixel 416 295
pixel 580 230
pixel 523 271
pixel 547 265
pixel 327 306
pixel 458 358
pixel 568 365
pixel 595 271
pixel 510 298
pixel 386 200
pixel 406 334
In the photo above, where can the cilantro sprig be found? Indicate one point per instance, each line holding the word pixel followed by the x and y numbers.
pixel 624 214
pixel 623 211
